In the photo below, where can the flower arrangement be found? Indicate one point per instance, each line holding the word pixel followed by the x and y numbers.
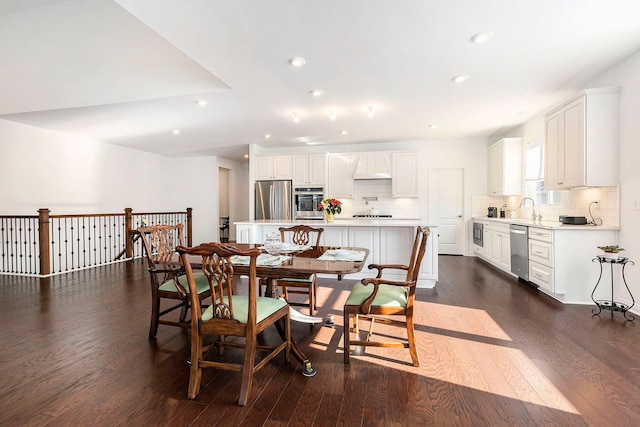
pixel 330 205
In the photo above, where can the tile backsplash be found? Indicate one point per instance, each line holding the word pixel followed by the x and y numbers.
pixel 575 202
pixel 385 204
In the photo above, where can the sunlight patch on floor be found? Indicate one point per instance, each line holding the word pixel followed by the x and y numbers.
pixel 468 348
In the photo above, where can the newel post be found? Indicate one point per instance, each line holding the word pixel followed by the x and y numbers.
pixel 128 228
pixel 43 241
pixel 190 227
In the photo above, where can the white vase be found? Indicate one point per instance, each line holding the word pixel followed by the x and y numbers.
pixel 611 255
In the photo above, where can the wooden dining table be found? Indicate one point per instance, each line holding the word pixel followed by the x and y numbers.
pixel 300 264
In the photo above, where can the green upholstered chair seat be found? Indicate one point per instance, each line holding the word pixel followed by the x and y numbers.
pixel 388 295
pixel 202 284
pixel 307 280
pixel 265 307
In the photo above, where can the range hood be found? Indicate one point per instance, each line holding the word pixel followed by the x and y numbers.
pixel 373 166
pixel 373 175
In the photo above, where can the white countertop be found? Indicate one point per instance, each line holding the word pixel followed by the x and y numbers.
pixel 347 222
pixel 552 225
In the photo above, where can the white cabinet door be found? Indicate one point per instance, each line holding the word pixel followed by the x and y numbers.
pixel 244 234
pixel 396 245
pixel 581 140
pixel 264 168
pixel 340 176
pixel 505 167
pixel 554 155
pixel 317 173
pixel 282 167
pixel 273 167
pixel 404 175
pixel 310 169
pixel 366 237
pixel 495 169
pixel 300 166
pixel 334 236
pixel 574 143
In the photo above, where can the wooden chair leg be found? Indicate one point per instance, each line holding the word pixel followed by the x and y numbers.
pixel 195 372
pixel 247 371
pixel 347 338
pixel 312 301
pixel 315 294
pixel 412 343
pixel 183 310
pixel 155 309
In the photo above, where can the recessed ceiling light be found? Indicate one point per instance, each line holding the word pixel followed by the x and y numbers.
pixel 371 110
pixel 176 131
pixel 246 156
pixel 297 61
pixel 296 118
pixel 344 132
pixel 460 78
pixel 433 126
pixel 316 92
pixel 202 102
pixel 523 113
pixel 267 135
pixel 481 37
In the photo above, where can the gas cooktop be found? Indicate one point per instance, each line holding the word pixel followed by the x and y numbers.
pixel 371 216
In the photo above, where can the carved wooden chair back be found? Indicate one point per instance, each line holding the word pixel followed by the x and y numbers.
pixel 167 281
pixel 231 313
pixel 301 235
pixel 380 301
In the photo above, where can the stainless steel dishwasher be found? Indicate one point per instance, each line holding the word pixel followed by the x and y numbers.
pixel 519 250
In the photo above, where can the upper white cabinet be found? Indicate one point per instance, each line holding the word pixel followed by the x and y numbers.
pixel 340 181
pixel 581 138
pixel 310 169
pixel 273 167
pixel 404 174
pixel 505 167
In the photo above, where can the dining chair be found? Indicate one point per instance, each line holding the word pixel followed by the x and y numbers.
pixel 231 315
pixel 168 282
pixel 377 299
pixel 301 235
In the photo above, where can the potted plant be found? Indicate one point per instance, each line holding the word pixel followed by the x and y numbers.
pixel 330 207
pixel 611 251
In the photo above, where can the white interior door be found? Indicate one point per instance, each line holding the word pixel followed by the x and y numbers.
pixel 446 207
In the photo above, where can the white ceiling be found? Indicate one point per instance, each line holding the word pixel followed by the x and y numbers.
pixel 128 72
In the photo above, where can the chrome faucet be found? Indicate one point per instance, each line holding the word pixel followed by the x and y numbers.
pixel 533 208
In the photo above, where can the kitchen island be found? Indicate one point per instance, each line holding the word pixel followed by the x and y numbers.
pixel 389 241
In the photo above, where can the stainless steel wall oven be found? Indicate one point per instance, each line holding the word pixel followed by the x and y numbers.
pixel 478 232
pixel 306 200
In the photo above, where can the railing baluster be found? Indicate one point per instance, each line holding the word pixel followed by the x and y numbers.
pixel 47 244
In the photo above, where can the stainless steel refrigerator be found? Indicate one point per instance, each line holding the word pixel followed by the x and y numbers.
pixel 274 200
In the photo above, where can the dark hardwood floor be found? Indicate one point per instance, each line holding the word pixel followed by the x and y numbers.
pixel 74 352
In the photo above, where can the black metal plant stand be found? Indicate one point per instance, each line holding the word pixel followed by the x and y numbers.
pixel 611 304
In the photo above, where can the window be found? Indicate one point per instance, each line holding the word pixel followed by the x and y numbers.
pixel 534 176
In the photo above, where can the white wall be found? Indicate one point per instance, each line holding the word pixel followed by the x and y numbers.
pixel 71 175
